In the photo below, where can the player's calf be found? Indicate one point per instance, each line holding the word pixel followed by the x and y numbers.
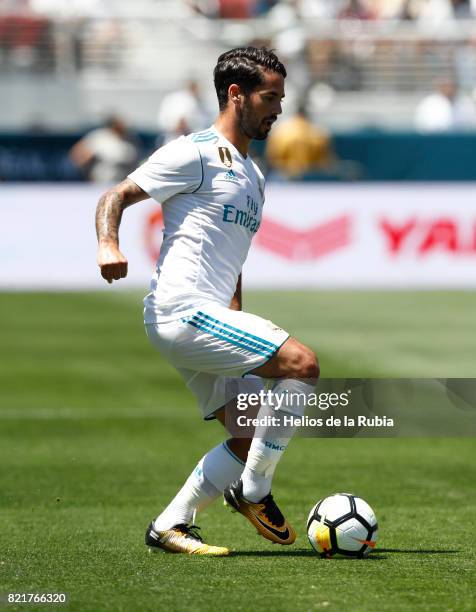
pixel 297 370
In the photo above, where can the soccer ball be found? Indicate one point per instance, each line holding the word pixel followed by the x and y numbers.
pixel 342 524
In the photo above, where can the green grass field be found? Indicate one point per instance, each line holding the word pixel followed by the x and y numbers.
pixel 97 432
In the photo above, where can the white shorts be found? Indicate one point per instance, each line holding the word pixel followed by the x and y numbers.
pixel 213 346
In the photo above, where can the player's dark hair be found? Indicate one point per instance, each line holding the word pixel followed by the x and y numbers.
pixel 243 66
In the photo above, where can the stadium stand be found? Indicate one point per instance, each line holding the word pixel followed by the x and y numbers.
pixel 361 65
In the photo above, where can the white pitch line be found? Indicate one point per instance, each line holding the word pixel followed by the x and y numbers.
pixel 21 414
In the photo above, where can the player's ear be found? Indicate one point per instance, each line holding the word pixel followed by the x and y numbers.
pixel 234 93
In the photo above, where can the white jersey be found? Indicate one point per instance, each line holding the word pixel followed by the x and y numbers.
pixel 212 199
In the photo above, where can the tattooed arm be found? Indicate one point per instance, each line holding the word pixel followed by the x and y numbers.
pixel 109 211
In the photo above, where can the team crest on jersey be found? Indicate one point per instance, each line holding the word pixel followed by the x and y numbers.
pixel 225 156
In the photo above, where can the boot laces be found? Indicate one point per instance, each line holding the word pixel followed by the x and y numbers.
pixel 271 510
pixel 190 531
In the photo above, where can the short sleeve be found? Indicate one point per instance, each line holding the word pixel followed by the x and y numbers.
pixel 172 169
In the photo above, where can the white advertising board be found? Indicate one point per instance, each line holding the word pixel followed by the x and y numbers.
pixel 312 235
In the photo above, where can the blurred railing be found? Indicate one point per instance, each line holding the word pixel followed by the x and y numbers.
pixel 348 55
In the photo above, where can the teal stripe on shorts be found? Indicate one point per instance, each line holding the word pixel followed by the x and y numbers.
pixel 230 337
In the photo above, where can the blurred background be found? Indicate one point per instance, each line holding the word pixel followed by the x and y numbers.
pixel 375 147
pixel 371 76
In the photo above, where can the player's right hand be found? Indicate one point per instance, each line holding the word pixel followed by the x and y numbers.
pixel 112 262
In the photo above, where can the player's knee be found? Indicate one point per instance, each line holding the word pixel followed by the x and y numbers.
pixel 308 365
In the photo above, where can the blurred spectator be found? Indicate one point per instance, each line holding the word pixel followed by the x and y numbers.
pixel 232 9
pixel 261 7
pixel 357 9
pixel 14 7
pixel 461 9
pixel 388 9
pixel 182 112
pixel 433 11
pixel 107 154
pixel 81 21
pixel 207 8
pixel 324 9
pixel 297 147
pixel 236 9
pixel 445 109
pixel 26 43
pixel 70 9
pixel 407 11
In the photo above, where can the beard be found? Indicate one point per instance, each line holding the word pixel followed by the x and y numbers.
pixel 250 126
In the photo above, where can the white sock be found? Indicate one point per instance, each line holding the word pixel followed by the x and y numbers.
pixel 269 443
pixel 215 471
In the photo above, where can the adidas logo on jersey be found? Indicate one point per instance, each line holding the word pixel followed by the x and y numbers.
pixel 231 176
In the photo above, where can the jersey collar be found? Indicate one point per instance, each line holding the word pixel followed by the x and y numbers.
pixel 232 146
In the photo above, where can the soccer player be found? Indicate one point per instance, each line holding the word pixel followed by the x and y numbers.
pixel 212 196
